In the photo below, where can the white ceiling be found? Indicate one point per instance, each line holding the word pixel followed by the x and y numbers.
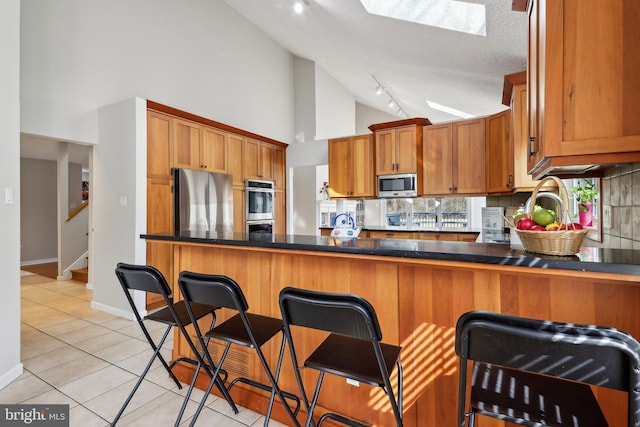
pixel 37 147
pixel 413 62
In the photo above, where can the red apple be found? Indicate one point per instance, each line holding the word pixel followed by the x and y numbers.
pixel 575 226
pixel 537 228
pixel 525 224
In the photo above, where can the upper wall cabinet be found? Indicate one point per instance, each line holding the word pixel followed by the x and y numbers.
pixel 582 85
pixel 187 137
pixel 398 146
pixel 214 150
pixel 159 129
pixel 454 158
pixel 522 181
pixel 202 147
pixel 499 153
pixel 351 167
pixel 258 158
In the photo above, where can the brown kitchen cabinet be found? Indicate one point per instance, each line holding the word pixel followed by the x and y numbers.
pixel 159 194
pixel 583 88
pixel 454 158
pixel 187 137
pixel 522 181
pixel 279 212
pixel 234 159
pixel 258 159
pixel 398 146
pixel 177 139
pixel 391 235
pixel 499 153
pixel 279 167
pixel 238 209
pixel 214 150
pixel 159 156
pixel 396 150
pixel 351 167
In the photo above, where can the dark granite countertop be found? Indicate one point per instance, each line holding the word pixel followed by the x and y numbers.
pixel 618 261
pixel 393 229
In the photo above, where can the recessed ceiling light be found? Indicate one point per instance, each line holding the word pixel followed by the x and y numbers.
pixel 298 6
pixel 453 15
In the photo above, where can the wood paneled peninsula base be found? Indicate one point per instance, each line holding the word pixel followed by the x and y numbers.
pixel 419 289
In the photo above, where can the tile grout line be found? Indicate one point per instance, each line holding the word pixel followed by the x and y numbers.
pixel 72 345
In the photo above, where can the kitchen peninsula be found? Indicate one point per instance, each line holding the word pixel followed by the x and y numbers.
pixel 419 289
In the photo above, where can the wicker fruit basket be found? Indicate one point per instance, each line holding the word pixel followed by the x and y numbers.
pixel 561 242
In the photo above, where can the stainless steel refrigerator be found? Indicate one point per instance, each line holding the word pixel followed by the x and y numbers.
pixel 203 201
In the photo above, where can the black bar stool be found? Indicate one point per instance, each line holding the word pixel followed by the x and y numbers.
pixel 244 329
pixel 353 348
pixel 536 372
pixel 148 279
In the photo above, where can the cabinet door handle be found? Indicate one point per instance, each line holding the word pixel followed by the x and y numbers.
pixel 510 181
pixel 532 139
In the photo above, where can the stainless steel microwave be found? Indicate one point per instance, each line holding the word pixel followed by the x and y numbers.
pixel 398 185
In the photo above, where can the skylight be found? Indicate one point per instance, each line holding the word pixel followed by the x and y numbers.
pixel 449 110
pixel 448 14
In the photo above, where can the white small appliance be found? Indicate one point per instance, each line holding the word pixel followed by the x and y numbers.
pixel 344 227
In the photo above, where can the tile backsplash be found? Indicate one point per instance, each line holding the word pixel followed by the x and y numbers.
pixel 620 197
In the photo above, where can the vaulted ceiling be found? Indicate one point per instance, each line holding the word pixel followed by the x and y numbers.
pixel 416 63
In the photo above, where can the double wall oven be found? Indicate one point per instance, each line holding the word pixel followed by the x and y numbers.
pixel 259 209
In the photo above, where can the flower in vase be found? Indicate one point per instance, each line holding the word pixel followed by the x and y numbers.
pixel 324 190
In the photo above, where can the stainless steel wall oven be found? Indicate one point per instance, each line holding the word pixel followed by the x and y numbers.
pixel 259 200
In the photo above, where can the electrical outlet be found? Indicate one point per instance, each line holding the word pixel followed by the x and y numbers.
pixel 606 217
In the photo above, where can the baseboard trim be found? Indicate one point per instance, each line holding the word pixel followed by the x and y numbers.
pixel 113 310
pixel 11 375
pixel 39 261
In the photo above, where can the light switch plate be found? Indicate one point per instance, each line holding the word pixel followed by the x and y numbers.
pixel 8 196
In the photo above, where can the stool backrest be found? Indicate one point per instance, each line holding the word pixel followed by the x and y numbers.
pixel 596 355
pixel 339 313
pixel 220 291
pixel 142 278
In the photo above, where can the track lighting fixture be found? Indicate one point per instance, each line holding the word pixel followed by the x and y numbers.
pixel 392 102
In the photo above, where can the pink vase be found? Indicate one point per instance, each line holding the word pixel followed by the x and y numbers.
pixel 585 214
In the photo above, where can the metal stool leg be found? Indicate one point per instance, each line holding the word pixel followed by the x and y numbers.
pixel 156 353
pixel 214 380
pixel 316 394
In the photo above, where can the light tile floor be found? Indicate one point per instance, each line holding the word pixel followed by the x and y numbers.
pixel 73 354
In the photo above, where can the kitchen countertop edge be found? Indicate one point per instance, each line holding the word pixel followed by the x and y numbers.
pixel 597 260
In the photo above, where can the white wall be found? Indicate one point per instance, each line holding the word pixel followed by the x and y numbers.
pixel 10 366
pixel 38 225
pixel 335 108
pixel 366 116
pixel 196 55
pixel 304 88
pixel 119 213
